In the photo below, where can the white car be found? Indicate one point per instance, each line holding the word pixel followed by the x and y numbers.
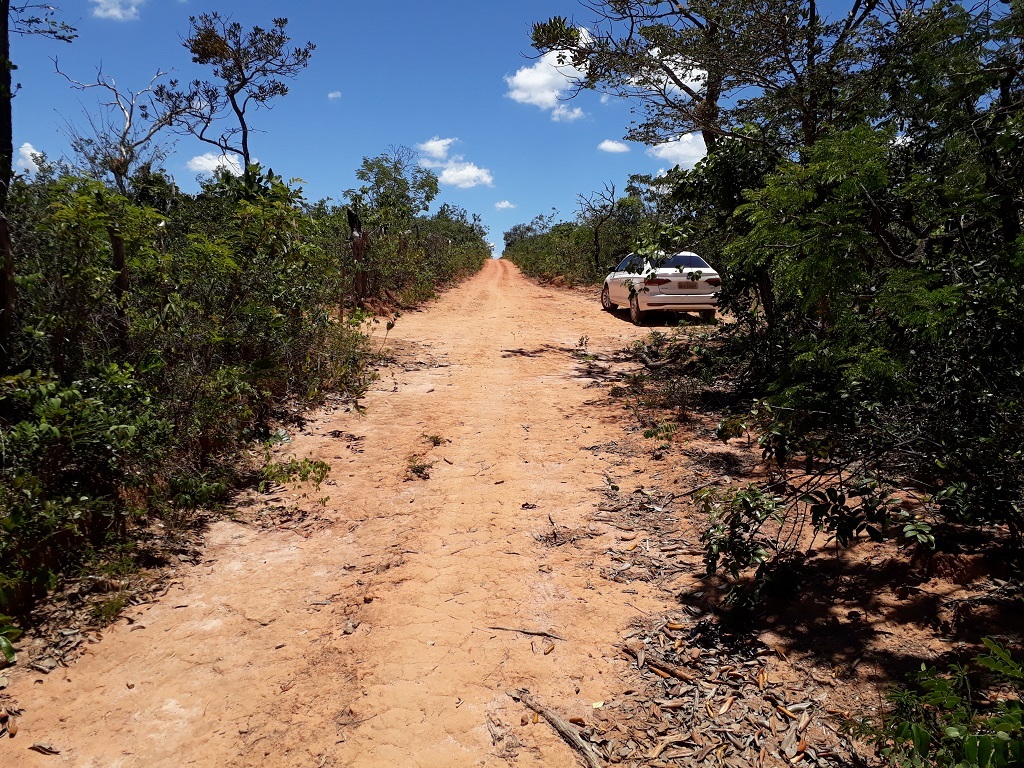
pixel 678 282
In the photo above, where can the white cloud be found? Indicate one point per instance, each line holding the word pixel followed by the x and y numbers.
pixel 25 161
pixel 118 10
pixel 334 95
pixel 464 175
pixel 504 205
pixel 613 146
pixel 562 114
pixel 211 161
pixel 455 170
pixel 437 148
pixel 545 83
pixel 605 98
pixel 686 150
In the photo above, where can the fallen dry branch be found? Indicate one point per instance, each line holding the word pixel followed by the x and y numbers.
pixel 534 632
pixel 563 727
pixel 655 661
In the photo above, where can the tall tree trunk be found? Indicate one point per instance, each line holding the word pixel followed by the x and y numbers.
pixel 8 290
pixel 244 127
pixel 6 94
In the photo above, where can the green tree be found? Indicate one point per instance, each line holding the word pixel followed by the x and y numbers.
pixel 250 68
pixel 21 19
pixel 124 136
pixel 24 18
pixel 395 188
pixel 772 73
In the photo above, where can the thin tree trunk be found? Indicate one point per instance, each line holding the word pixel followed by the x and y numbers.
pixel 120 287
pixel 8 295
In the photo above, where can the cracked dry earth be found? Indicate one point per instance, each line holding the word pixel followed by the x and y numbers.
pixel 387 634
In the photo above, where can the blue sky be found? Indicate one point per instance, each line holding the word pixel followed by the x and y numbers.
pixel 449 79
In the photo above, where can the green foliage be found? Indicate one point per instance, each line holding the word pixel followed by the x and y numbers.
pixel 301 470
pixel 109 609
pixel 873 265
pixel 663 430
pixel 156 338
pixel 74 457
pixel 740 531
pixel 943 721
pixel 8 634
pixel 418 467
pixel 405 261
pixel 395 187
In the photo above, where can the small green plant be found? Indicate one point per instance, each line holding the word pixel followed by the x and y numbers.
pixel 294 470
pixel 109 609
pixel 736 538
pixel 919 532
pixel 661 431
pixel 8 634
pixel 580 352
pixel 418 468
pixel 944 721
pixel 435 440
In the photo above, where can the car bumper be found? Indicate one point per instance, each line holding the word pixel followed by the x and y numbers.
pixel 668 303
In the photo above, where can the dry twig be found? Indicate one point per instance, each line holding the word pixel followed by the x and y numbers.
pixel 562 726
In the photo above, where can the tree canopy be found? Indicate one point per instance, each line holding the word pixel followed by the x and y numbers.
pixel 395 187
pixel 250 69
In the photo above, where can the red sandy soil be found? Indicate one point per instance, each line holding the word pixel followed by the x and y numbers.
pixel 368 640
pixel 376 621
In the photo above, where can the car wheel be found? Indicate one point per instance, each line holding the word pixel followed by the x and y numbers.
pixel 606 300
pixel 635 314
pixel 707 315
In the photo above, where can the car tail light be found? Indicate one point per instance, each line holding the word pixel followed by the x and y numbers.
pixel 657 281
pixel 714 281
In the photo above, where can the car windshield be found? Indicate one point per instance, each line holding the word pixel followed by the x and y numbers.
pixel 684 261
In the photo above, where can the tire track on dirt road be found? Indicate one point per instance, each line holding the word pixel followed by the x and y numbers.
pixel 369 642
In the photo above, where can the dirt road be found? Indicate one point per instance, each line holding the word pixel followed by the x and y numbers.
pixel 372 639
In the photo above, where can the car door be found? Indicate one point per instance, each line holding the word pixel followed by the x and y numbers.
pixel 625 273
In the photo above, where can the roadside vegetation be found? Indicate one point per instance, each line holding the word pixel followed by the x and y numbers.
pixel 151 338
pixel 862 198
pixel 581 251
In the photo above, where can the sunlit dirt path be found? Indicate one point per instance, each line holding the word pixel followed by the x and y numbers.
pixel 370 640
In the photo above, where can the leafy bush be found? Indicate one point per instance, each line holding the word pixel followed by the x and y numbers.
pixel 155 337
pixel 302 470
pixel 874 270
pixel 944 721
pixel 8 634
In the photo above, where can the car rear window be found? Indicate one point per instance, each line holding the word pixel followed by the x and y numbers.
pixel 685 261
